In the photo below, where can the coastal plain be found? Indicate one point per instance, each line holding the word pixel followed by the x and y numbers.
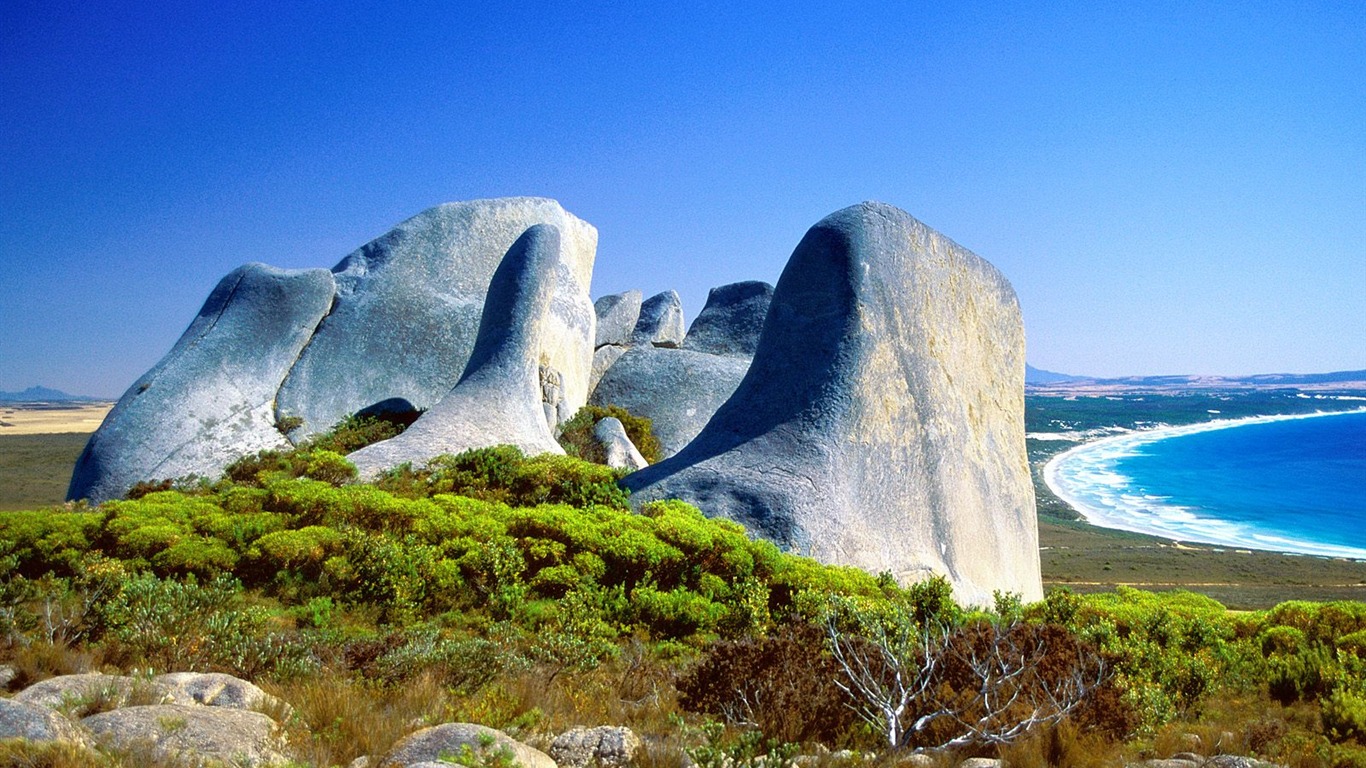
pixel 38 453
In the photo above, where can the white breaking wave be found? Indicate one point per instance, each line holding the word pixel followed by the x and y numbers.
pixel 1086 477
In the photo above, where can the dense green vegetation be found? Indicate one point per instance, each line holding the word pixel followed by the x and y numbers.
pixel 524 594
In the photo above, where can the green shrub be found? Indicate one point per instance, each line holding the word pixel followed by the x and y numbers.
pixel 576 435
pixel 503 474
pixel 1344 716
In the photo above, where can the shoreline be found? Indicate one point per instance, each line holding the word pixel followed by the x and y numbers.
pixel 1173 522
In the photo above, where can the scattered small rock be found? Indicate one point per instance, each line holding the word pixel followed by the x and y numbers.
pixel 610 433
pixel 7 674
pixel 601 747
pixel 19 720
pixel 85 693
pixel 981 762
pixel 173 731
pixel 442 741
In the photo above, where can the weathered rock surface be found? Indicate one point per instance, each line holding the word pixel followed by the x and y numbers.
pixel 677 389
pixel 621 452
pixel 214 689
pixel 409 304
pixel 231 736
pixel 75 692
pixel 211 399
pixel 498 400
pixel 661 321
pixel 602 747
pixel 617 316
pixel 603 359
pixel 881 423
pixel 731 321
pixel 429 744
pixel 19 720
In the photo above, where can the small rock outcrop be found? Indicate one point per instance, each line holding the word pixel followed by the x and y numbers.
pixel 617 316
pixel 661 321
pixel 617 446
pixel 173 731
pixel 76 692
pixel 731 321
pixel 213 689
pixel 498 400
pixel 211 399
pixel 602 747
pixel 678 390
pixel 430 744
pixel 409 305
pixel 881 423
pixel 20 720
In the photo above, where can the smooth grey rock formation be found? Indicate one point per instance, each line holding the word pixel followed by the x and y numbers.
pixel 7 674
pixel 731 321
pixel 677 389
pixel 172 731
pixel 498 400
pixel 19 720
pixel 661 321
pixel 617 316
pixel 603 359
pixel 73 693
pixel 621 452
pixel 214 689
pixel 409 304
pixel 211 399
pixel 602 747
pixel 429 744
pixel 881 423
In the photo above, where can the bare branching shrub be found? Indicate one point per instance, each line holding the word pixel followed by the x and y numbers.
pixel 929 685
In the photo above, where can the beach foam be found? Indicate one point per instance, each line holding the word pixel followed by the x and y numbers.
pixel 1087 478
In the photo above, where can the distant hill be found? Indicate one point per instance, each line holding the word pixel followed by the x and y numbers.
pixel 44 395
pixel 1337 381
pixel 1039 376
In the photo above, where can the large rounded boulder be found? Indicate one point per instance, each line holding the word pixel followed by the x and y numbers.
pixel 408 310
pixel 881 422
pixel 211 399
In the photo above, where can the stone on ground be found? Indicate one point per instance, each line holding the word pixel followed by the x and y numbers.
pixel 211 399
pixel 19 720
pixel 193 733
pixel 75 693
pixel 617 316
pixel 881 423
pixel 602 747
pixel 616 444
pixel 409 305
pixel 498 400
pixel 450 739
pixel 661 321
pixel 731 321
pixel 214 689
pixel 677 389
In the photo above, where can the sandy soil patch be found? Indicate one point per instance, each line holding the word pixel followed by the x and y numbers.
pixel 47 419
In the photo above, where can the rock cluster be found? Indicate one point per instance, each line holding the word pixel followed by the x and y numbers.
pixel 182 716
pixel 390 328
pixel 867 411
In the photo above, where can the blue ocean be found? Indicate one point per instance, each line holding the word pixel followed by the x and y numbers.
pixel 1286 484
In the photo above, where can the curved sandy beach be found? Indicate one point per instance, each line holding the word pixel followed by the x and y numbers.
pixel 1086 478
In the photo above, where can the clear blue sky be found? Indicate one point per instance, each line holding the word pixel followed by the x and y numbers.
pixel 1171 187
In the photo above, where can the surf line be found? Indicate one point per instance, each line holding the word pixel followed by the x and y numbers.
pixel 1157 516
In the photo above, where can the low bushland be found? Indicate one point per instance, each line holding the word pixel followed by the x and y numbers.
pixel 523 593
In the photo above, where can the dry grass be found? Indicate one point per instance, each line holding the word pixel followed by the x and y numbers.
pixel 38 661
pixel 337 718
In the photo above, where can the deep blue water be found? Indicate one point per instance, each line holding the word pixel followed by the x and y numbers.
pixel 1296 485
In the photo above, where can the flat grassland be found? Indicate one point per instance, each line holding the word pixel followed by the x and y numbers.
pixel 39 445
